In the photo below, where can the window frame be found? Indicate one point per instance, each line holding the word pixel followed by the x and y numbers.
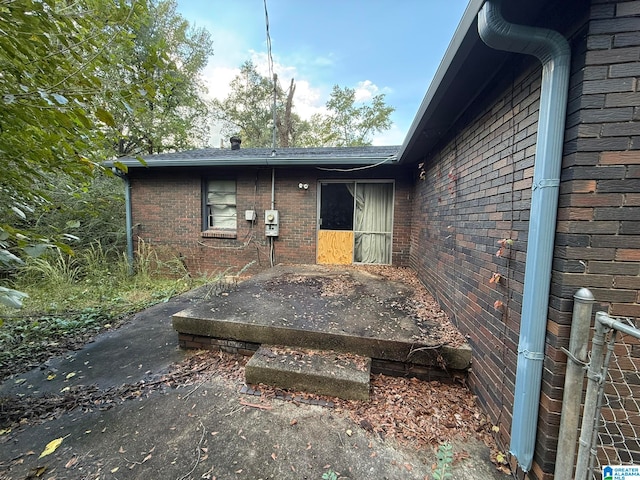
pixel 209 230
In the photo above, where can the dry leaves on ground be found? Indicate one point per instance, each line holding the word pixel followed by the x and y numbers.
pixel 421 304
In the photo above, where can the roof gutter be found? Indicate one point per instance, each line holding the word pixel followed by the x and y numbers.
pixel 553 51
pixel 276 161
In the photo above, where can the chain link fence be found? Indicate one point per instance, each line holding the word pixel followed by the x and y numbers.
pixel 611 417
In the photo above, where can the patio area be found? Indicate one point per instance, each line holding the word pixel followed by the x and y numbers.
pixel 381 312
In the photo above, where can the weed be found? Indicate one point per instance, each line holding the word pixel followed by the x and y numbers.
pixel 329 475
pixel 445 460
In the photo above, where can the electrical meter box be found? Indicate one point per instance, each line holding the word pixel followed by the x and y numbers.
pixel 271 223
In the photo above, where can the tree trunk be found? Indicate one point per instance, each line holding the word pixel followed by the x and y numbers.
pixel 285 129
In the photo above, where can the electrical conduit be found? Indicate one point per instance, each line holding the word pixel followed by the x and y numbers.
pixel 553 51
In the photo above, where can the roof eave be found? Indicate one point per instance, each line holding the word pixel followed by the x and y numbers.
pixel 259 162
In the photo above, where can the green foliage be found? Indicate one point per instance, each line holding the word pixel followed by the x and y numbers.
pixel 84 214
pixel 52 56
pixel 248 112
pixel 347 123
pixel 71 298
pixel 329 475
pixel 445 461
pixel 165 111
pixel 80 81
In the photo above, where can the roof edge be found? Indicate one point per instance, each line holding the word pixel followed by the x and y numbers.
pixel 446 64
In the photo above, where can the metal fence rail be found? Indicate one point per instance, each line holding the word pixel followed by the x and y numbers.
pixel 611 417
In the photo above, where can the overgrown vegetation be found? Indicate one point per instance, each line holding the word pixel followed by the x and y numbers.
pixel 74 297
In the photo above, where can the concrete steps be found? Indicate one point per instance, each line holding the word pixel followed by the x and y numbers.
pixel 315 371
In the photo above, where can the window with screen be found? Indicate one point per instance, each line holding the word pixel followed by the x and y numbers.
pixel 221 205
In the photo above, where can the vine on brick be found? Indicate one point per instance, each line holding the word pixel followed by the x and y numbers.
pixel 496 277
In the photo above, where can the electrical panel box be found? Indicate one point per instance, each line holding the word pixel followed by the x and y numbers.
pixel 271 223
pixel 250 215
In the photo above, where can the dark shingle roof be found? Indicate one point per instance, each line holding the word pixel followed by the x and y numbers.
pixel 368 155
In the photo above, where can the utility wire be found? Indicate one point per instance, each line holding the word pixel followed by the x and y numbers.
pixel 272 75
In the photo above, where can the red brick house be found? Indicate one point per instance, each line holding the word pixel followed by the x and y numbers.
pixel 527 144
pixel 223 209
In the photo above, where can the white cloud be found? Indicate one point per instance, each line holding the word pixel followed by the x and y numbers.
pixel 217 80
pixel 365 91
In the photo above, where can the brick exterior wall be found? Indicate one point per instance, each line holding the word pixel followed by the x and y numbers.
pixel 167 215
pixel 476 191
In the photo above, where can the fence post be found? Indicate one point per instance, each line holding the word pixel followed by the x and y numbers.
pixel 594 376
pixel 572 396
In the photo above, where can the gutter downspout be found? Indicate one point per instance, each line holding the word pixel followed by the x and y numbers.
pixel 128 221
pixel 553 51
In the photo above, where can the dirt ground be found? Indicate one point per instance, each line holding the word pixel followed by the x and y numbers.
pixel 150 410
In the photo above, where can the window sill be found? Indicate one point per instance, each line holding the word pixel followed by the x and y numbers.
pixel 219 234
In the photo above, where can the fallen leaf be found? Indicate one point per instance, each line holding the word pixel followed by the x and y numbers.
pixel 349 432
pixel 51 376
pixel 52 446
pixel 293 422
pixel 71 462
pixel 121 450
pixel 146 458
pixel 274 456
pixel 4 431
pixel 70 375
pixel 37 472
pixel 114 470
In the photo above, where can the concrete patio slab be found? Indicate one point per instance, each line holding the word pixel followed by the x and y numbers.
pixel 346 309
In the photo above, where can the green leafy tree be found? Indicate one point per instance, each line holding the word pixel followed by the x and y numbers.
pixel 348 123
pixel 52 57
pixel 248 112
pixel 155 88
pixel 79 82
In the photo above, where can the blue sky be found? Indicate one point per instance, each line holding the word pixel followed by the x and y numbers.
pixel 373 46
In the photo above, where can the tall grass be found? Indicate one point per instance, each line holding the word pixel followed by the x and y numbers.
pixel 92 278
pixel 72 297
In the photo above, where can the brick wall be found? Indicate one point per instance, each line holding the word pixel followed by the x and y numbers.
pixel 477 191
pixel 167 214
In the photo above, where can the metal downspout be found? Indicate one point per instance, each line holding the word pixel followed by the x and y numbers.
pixel 128 216
pixel 553 51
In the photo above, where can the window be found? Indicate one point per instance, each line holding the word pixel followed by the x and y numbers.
pixel 221 209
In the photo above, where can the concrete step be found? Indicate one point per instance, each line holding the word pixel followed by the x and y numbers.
pixel 322 372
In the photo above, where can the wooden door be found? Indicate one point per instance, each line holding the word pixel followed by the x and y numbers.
pixel 335 226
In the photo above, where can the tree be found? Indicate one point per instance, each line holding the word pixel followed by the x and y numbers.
pixel 52 57
pixel 78 79
pixel 349 124
pixel 248 112
pixel 155 88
